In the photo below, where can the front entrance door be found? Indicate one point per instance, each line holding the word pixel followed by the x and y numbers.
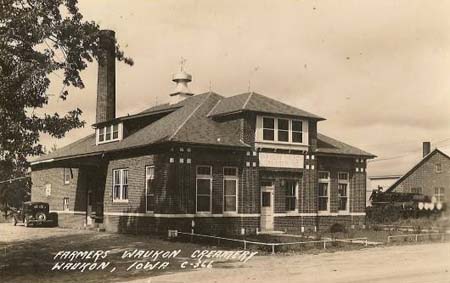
pixel 267 208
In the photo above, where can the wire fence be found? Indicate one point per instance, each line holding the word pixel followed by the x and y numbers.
pixel 246 244
pixel 418 237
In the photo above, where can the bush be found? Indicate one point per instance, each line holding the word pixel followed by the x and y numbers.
pixel 337 228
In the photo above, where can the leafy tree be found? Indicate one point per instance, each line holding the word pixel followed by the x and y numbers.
pixel 38 38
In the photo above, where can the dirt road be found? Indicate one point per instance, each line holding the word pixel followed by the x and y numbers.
pixel 406 264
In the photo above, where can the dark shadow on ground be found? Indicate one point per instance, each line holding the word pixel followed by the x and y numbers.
pixel 32 260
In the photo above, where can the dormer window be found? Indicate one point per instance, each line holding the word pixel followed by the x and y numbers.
pixel 273 130
pixel 109 133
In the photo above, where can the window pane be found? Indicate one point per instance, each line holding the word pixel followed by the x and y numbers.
pixel 268 135
pixel 203 186
pixel 283 136
pixel 230 187
pixel 101 134
pixel 323 189
pixel 296 126
pixel 343 176
pixel 343 203
pixel 297 137
pixel 108 133
pixel 150 202
pixel 204 170
pixel 283 124
pixel 116 177
pixel 343 189
pixel 115 131
pixel 203 203
pixel 323 203
pixel 268 123
pixel 266 199
pixel 324 175
pixel 229 171
pixel 125 177
pixel 150 172
pixel 230 203
pixel 290 203
pixel 125 192
pixel 116 192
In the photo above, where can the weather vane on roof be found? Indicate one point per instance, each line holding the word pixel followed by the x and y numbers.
pixel 182 62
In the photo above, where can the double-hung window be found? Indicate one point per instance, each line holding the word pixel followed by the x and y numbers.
pixel 67 175
pixel 290 189
pixel 268 129
pixel 343 187
pixel 297 131
pixel 204 188
pixel 230 189
pixel 416 190
pixel 120 185
pixel 324 190
pixel 149 188
pixel 438 167
pixel 283 130
pixel 439 194
pixel 65 204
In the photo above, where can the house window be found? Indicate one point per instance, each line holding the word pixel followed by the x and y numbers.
pixel 416 190
pixel 290 188
pixel 230 189
pixel 67 175
pixel 149 188
pixel 109 133
pixel 438 168
pixel 66 204
pixel 120 185
pixel 115 131
pixel 343 185
pixel 283 130
pixel 268 129
pixel 101 134
pixel 439 194
pixel 297 135
pixel 324 190
pixel 204 187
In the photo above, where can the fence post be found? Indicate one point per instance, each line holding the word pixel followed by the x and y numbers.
pixel 417 236
pixel 245 245
pixel 366 243
pixel 389 239
pixel 324 245
pixel 273 249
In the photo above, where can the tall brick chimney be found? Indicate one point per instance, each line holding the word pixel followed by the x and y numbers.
pixel 426 148
pixel 106 83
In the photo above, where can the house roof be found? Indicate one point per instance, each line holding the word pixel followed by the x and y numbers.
pixel 255 102
pixel 189 122
pixel 329 145
pixel 427 157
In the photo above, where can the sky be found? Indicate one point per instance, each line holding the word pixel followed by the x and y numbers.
pixel 378 71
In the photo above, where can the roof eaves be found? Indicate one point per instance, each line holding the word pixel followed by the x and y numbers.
pixel 410 171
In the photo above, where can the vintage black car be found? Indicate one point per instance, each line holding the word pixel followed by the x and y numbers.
pixel 36 213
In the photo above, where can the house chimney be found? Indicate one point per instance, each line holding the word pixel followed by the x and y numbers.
pixel 106 81
pixel 181 90
pixel 426 148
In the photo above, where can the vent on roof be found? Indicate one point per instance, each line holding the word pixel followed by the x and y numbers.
pixel 182 90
